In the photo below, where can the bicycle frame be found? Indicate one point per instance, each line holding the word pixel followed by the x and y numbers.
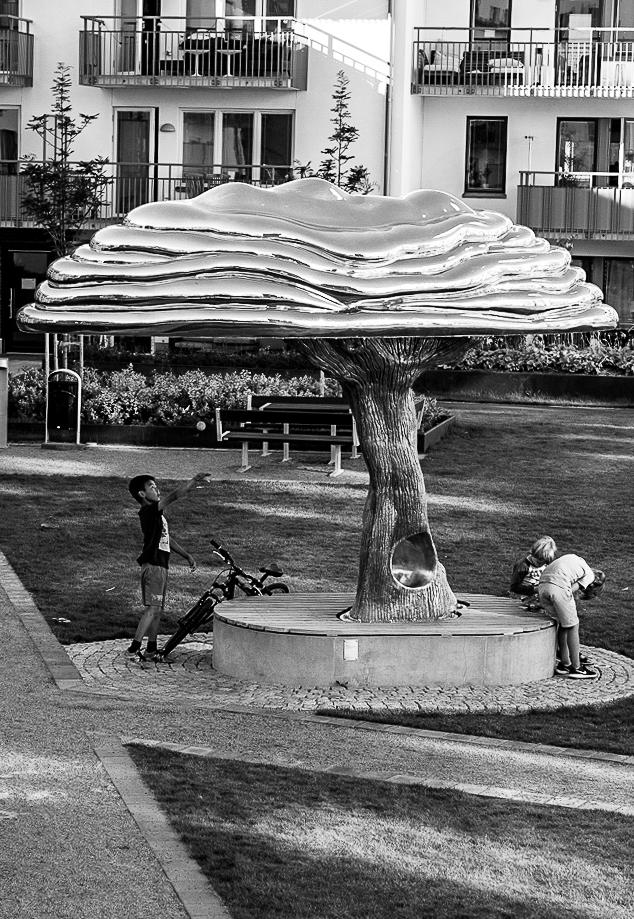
pixel 223 588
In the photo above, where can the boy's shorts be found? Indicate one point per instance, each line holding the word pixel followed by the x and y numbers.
pixel 153 585
pixel 559 603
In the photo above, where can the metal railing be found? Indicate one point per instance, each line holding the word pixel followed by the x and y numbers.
pixel 524 62
pixel 167 51
pixel 133 184
pixel 580 205
pixel 16 51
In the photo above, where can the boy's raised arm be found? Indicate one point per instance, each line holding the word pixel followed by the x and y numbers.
pixel 198 481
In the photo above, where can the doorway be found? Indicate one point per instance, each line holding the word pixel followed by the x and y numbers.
pixel 22 271
pixel 134 150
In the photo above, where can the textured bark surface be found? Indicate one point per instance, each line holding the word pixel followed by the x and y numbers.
pixel 377 376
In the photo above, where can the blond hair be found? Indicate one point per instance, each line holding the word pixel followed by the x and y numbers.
pixel 544 549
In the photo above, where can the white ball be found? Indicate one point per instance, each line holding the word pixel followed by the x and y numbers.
pixel 200 425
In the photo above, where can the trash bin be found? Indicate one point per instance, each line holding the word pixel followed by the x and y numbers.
pixel 63 407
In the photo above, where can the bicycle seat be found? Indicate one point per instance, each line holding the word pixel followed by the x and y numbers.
pixel 272 569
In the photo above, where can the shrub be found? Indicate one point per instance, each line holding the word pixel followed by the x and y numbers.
pixel 128 397
pixel 27 395
pixel 534 354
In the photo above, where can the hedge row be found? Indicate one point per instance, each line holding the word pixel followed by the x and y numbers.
pixel 598 357
pixel 128 397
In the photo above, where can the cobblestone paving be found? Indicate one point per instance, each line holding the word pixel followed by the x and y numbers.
pixel 105 667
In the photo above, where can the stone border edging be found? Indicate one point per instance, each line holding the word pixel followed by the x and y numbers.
pixel 63 671
pixel 406 778
pixel 519 746
pixel 197 896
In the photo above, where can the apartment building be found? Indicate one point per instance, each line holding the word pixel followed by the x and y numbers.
pixel 526 106
pixel 523 106
pixel 190 94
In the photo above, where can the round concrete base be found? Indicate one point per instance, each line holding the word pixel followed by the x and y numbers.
pixel 298 640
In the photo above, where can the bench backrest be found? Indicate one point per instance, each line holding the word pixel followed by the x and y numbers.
pixel 233 419
pixel 255 400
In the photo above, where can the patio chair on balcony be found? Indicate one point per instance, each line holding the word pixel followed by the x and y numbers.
pixel 439 66
pixel 194 184
pixel 266 57
pixel 492 68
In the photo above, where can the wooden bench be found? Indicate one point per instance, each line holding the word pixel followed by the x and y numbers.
pixel 287 426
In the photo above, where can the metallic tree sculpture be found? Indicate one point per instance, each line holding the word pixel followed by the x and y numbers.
pixel 373 287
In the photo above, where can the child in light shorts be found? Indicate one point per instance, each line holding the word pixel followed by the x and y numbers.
pixel 557 586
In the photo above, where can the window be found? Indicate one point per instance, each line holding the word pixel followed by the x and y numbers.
pixel 491 14
pixel 237 144
pixel 275 147
pixel 8 141
pixel 576 150
pixel 198 142
pixel 485 171
pixel 490 19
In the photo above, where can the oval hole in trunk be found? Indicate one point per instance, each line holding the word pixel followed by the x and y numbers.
pixel 414 561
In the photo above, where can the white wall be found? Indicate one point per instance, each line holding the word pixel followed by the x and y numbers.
pixel 353 37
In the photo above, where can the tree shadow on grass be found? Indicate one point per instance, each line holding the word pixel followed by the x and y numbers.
pixel 281 842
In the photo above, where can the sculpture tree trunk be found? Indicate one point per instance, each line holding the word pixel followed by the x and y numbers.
pixel 400 577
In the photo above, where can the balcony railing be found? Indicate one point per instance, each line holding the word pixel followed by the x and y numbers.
pixel 16 51
pixel 134 184
pixel 524 62
pixel 579 205
pixel 153 51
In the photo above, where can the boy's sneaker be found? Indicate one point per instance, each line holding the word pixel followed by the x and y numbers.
pixel 133 650
pixel 561 669
pixel 582 659
pixel 581 673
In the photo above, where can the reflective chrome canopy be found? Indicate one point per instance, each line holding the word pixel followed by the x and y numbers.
pixel 306 259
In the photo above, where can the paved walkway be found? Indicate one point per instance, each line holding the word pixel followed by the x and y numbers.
pixel 189 677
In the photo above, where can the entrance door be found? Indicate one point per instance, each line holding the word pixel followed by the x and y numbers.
pixel 139 23
pixel 133 159
pixel 22 271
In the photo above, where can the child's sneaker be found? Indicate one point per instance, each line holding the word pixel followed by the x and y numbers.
pixel 561 669
pixel 133 650
pixel 581 673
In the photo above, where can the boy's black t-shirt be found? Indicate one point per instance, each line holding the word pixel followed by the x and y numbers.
pixel 155 537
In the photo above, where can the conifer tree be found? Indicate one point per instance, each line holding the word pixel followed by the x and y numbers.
pixel 61 195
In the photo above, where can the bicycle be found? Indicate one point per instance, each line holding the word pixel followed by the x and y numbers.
pixel 224 587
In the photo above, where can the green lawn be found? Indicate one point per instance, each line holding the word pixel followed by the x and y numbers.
pixel 288 843
pixel 495 484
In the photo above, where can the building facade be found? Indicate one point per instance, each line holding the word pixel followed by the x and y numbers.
pixel 523 106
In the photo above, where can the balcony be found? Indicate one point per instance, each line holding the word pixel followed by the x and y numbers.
pixel 526 62
pixel 133 184
pixel 581 205
pixel 228 52
pixel 16 51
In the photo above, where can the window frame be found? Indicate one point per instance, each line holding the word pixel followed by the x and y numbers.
pixel 256 141
pixel 561 120
pixel 473 192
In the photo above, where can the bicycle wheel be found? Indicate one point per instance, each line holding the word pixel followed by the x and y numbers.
pixel 200 613
pixel 275 587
